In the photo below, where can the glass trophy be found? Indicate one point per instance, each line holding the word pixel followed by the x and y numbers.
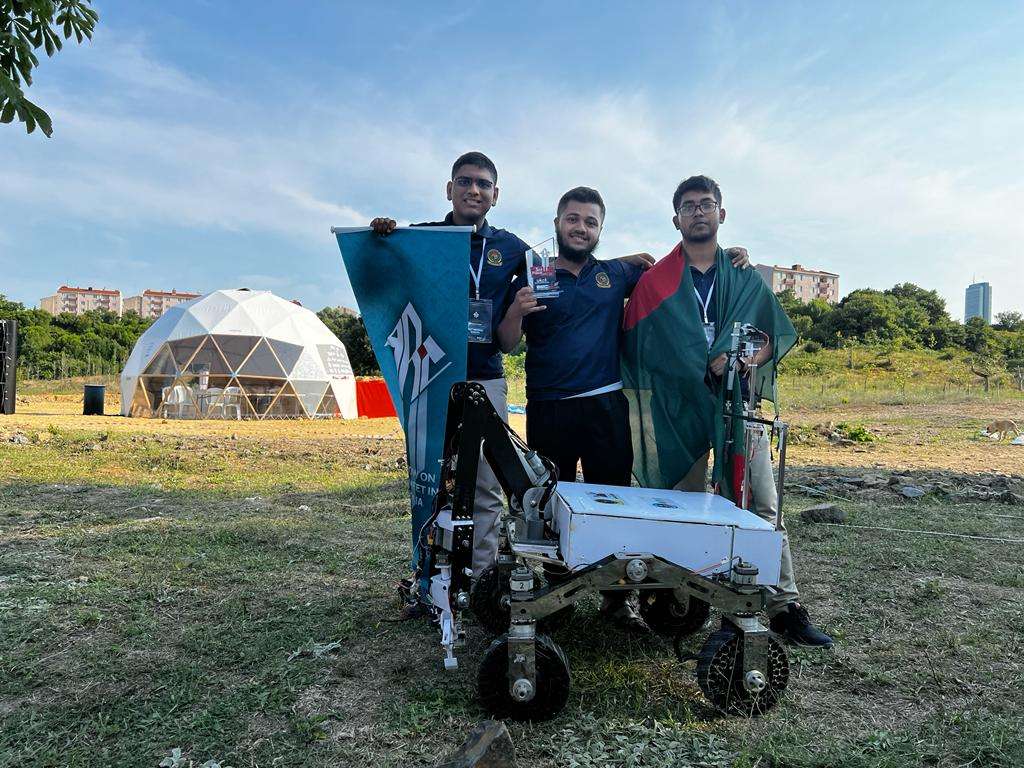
pixel 540 273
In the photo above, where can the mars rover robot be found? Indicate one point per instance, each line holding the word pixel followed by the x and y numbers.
pixel 685 552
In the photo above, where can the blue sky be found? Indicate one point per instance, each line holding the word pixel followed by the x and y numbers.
pixel 202 145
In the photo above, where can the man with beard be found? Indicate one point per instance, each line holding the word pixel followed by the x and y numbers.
pixel 495 257
pixel 678 327
pixel 576 411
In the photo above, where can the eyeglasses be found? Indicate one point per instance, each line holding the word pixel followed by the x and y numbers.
pixel 706 206
pixel 466 182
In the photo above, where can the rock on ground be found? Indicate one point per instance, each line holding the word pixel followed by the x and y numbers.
pixel 823 513
pixel 488 746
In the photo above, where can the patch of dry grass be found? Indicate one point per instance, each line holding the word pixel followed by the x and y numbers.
pixel 155 590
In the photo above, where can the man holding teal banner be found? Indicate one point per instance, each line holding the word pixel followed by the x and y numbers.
pixel 419 337
pixel 493 257
pixel 677 330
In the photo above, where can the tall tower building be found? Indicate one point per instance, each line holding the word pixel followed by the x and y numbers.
pixel 978 302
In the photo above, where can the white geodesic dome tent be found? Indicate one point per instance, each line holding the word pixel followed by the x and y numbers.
pixel 238 354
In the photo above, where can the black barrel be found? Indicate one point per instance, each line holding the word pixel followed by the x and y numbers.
pixel 94 394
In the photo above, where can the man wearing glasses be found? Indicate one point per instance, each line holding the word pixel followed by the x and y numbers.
pixel 677 327
pixel 495 257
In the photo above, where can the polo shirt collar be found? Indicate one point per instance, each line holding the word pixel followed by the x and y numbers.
pixel 484 230
pixel 589 264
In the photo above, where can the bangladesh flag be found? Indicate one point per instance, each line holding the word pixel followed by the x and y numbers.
pixel 675 417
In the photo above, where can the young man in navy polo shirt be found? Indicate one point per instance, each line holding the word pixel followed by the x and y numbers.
pixel 576 411
pixel 495 256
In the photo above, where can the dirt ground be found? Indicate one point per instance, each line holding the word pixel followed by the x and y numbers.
pixel 915 436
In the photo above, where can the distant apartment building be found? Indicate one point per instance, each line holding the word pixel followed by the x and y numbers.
pixel 152 304
pixel 77 300
pixel 807 284
pixel 978 302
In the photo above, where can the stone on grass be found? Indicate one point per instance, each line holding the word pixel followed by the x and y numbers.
pixel 912 491
pixel 488 746
pixel 823 513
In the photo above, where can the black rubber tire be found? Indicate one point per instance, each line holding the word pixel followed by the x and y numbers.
pixel 553 680
pixel 488 601
pixel 485 600
pixel 665 615
pixel 720 675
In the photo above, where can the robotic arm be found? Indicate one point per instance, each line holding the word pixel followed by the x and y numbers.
pixel 527 479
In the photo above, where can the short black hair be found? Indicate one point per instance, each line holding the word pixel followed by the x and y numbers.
pixel 696 184
pixel 581 195
pixel 480 160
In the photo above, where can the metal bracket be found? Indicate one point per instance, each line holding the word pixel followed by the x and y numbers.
pixel 522 638
pixel 756 639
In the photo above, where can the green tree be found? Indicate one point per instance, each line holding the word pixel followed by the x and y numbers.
pixel 929 301
pixel 1010 321
pixel 25 27
pixel 807 318
pixel 979 337
pixel 865 315
pixel 352 333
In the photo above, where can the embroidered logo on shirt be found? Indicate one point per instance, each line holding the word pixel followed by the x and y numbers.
pixel 602 280
pixel 494 257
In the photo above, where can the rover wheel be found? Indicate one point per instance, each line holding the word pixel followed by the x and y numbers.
pixel 490 601
pixel 552 682
pixel 666 615
pixel 721 678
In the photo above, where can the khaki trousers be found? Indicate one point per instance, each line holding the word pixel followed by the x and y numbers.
pixel 765 498
pixel 489 501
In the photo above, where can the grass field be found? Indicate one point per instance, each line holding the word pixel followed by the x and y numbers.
pixel 226 589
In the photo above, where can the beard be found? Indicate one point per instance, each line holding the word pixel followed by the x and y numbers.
pixel 571 253
pixel 703 236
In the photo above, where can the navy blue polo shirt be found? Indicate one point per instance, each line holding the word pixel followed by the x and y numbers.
pixel 504 257
pixel 572 346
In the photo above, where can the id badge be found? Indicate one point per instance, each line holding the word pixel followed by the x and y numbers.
pixel 709 333
pixel 480 321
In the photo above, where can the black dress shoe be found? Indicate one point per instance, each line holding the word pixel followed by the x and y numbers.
pixel 794 625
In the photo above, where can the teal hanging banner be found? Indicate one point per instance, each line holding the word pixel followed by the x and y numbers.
pixel 412 288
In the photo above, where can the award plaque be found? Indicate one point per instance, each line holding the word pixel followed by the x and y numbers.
pixel 540 273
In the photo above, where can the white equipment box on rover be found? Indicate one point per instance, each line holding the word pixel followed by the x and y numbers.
pixel 700 531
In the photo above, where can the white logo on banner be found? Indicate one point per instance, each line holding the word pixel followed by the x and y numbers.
pixel 414 356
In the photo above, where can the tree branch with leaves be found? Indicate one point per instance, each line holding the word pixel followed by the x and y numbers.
pixel 25 27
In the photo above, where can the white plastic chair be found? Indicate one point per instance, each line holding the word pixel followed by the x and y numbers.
pixel 178 399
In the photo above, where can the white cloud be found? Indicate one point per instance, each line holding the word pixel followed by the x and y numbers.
pixel 892 191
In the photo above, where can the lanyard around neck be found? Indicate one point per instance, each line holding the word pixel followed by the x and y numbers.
pixel 705 303
pixel 479 270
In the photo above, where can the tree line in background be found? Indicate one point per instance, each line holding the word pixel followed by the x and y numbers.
pixel 910 317
pixel 905 316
